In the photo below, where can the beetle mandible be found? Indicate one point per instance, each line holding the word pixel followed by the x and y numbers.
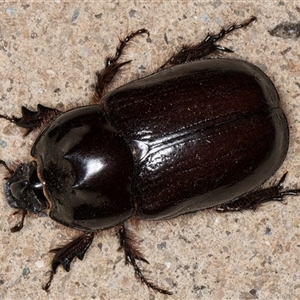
pixel 199 133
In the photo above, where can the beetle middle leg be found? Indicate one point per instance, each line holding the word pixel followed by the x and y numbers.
pixel 255 198
pixel 105 76
pixel 65 255
pixel 127 243
pixel 197 51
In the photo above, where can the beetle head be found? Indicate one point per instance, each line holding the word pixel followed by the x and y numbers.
pixel 24 189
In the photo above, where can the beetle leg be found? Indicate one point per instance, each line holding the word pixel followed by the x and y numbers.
pixel 20 224
pixel 65 255
pixel 207 46
pixel 33 119
pixel 11 171
pixel 105 76
pixel 127 243
pixel 257 197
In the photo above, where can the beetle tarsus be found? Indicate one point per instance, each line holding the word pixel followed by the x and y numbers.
pixel 254 199
pixel 127 243
pixel 46 287
pixel 105 76
pixel 197 51
pixel 65 255
pixel 7 118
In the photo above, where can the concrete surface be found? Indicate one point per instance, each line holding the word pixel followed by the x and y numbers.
pixel 48 54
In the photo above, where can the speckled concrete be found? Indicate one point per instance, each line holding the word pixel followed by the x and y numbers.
pixel 49 53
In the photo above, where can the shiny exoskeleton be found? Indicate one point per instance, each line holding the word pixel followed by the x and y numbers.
pixel 198 133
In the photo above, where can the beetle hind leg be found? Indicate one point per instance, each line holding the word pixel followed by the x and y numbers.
pixel 65 255
pixel 127 243
pixel 105 76
pixel 255 198
pixel 197 51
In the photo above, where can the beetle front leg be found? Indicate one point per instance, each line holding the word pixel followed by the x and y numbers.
pixel 127 243
pixel 105 76
pixel 254 199
pixel 65 255
pixel 33 119
pixel 207 46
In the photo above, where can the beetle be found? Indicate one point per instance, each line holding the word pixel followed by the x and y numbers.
pixel 199 133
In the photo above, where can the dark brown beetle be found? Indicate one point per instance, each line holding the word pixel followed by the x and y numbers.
pixel 194 135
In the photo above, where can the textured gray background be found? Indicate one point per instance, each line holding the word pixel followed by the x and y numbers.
pixel 56 45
